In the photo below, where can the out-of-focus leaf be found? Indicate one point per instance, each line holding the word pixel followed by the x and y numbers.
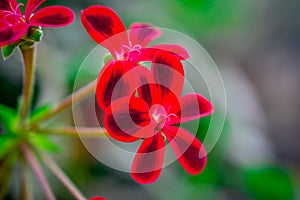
pixel 212 174
pixel 6 142
pixel 7 117
pixel 40 111
pixel 107 58
pixel 44 143
pixel 269 183
pixel 208 15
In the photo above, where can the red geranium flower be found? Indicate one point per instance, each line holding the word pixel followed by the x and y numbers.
pixel 151 115
pixel 14 24
pixel 97 198
pixel 107 29
pixel 127 48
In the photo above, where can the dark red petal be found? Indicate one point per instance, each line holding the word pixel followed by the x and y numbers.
pixel 52 16
pixel 148 161
pixel 31 6
pixel 127 119
pixel 147 92
pixel 112 83
pixel 147 54
pixel 142 34
pixel 99 113
pixel 152 92
pixel 192 106
pixel 168 72
pixel 187 148
pixel 102 23
pixel 97 198
pixel 147 86
pixel 10 34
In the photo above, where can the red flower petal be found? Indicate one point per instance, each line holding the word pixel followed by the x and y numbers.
pixel 153 93
pixel 52 16
pixel 8 5
pixel 99 113
pixel 187 148
pixel 127 119
pixel 10 34
pixel 31 6
pixel 112 75
pixel 168 72
pixel 142 34
pixel 147 89
pixel 102 23
pixel 192 106
pixel 147 92
pixel 147 54
pixel 148 161
pixel 174 49
pixel 97 198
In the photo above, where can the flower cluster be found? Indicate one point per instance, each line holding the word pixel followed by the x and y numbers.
pixel 14 24
pixel 139 103
pixel 145 104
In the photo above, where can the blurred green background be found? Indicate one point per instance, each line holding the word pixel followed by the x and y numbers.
pixel 256 45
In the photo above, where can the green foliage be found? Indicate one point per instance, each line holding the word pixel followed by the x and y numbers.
pixel 107 58
pixel 269 183
pixel 209 16
pixel 7 141
pixel 38 112
pixel 9 49
pixel 44 143
pixel 8 118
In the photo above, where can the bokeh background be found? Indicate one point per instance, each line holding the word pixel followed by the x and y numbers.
pixel 256 46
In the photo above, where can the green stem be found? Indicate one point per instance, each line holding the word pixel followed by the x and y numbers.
pixel 62 177
pixel 28 79
pixel 75 131
pixel 36 168
pixel 66 103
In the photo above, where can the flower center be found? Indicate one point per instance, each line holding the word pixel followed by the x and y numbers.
pixel 160 116
pixel 12 16
pixel 128 49
pixel 133 48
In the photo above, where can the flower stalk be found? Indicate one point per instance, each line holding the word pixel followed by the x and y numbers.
pixel 88 132
pixel 36 168
pixel 66 103
pixel 6 168
pixel 62 177
pixel 28 79
pixel 25 187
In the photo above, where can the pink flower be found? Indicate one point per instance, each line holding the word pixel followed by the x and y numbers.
pixel 14 24
pixel 151 115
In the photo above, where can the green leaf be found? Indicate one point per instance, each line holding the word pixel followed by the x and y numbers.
pixel 9 49
pixel 8 117
pixel 6 142
pixel 269 183
pixel 36 113
pixel 44 143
